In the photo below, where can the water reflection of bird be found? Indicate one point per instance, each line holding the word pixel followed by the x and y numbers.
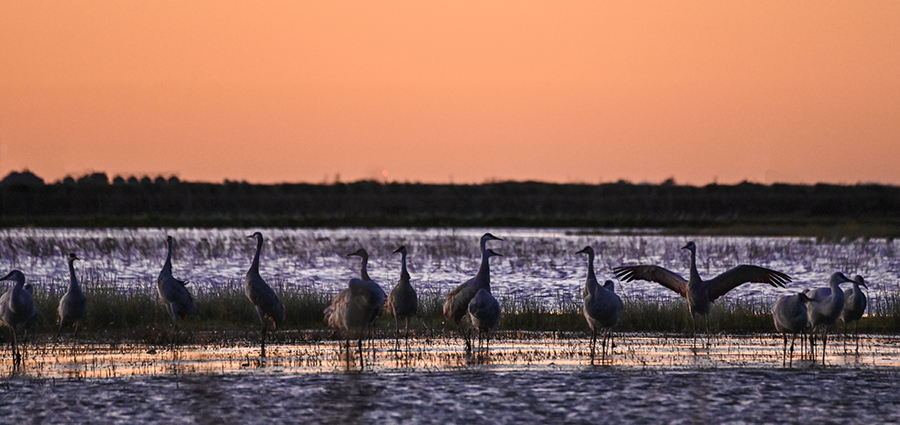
pixel 825 309
pixel 268 306
pixel 854 308
pixel 72 305
pixel 457 301
pixel 17 308
pixel 357 306
pixel 790 316
pixel 602 306
pixel 484 313
pixel 172 291
pixel 402 301
pixel 701 293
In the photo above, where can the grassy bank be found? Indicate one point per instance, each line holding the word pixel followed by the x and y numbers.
pixel 137 315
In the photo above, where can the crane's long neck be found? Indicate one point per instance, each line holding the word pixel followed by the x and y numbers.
pixel 167 266
pixel 255 265
pixel 403 264
pixel 484 272
pixel 591 277
pixel 695 275
pixel 363 272
pixel 73 280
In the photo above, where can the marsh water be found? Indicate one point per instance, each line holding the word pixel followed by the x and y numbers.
pixel 539 379
pixel 523 378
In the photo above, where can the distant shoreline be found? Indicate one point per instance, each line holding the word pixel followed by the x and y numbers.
pixel 826 211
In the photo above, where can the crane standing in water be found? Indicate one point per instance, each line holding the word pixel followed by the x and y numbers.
pixel 790 316
pixel 854 308
pixel 484 313
pixel 701 293
pixel 825 309
pixel 457 301
pixel 17 309
pixel 268 306
pixel 402 303
pixel 354 308
pixel 602 306
pixel 173 292
pixel 72 305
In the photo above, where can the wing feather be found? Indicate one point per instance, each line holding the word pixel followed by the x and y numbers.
pixel 721 284
pixel 657 274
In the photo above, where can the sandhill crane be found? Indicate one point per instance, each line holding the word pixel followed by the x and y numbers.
pixel 457 302
pixel 790 316
pixel 402 302
pixel 73 304
pixel 172 291
pixel 701 293
pixel 17 308
pixel 357 306
pixel 484 313
pixel 268 307
pixel 854 307
pixel 602 306
pixel 825 309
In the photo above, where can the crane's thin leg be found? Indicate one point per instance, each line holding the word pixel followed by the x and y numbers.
pixel 593 343
pixel 17 357
pixel 824 343
pixel 262 339
pixel 791 362
pixel 844 337
pixel 397 336
pixel 77 325
pixel 362 360
pixel 708 336
pixel 856 332
pixel 784 353
pixel 60 330
pixel 406 335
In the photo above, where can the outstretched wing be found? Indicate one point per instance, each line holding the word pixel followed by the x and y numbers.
pixel 657 274
pixel 740 275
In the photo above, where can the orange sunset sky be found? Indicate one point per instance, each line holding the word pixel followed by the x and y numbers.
pixel 453 91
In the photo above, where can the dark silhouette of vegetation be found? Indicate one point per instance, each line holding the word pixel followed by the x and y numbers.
pixel 92 200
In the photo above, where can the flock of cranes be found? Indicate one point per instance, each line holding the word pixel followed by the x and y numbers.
pixel 471 305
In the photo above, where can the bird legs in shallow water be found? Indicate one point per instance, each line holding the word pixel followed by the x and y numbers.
pixel 17 357
pixel 607 340
pixel 262 340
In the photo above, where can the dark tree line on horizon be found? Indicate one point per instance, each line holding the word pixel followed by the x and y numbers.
pixel 25 199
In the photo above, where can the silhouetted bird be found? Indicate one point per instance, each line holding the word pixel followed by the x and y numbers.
pixel 268 307
pixel 17 309
pixel 457 302
pixel 602 306
pixel 73 304
pixel 402 301
pixel 701 293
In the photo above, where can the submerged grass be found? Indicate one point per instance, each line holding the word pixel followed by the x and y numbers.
pixel 137 314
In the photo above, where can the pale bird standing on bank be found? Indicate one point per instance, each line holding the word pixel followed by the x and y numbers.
pixel 701 293
pixel 268 306
pixel 17 309
pixel 790 316
pixel 457 302
pixel 825 309
pixel 602 306
pixel 73 304
pixel 353 309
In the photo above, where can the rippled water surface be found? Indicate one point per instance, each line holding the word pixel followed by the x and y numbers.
pixel 590 394
pixel 541 378
pixel 649 378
